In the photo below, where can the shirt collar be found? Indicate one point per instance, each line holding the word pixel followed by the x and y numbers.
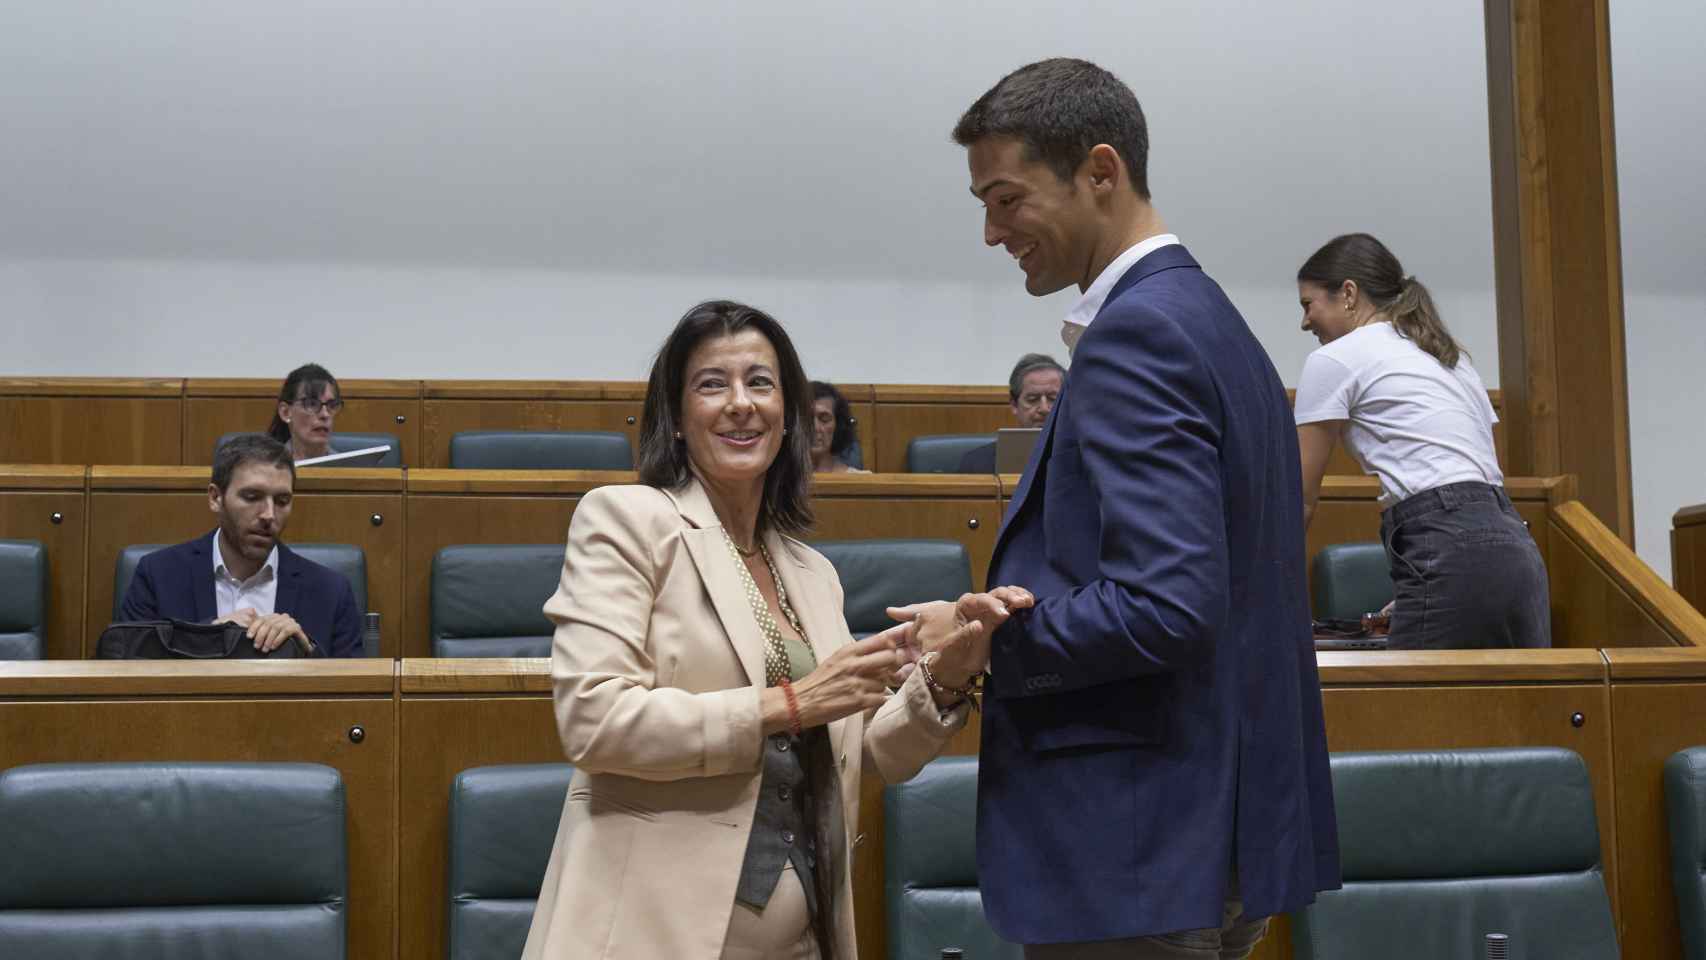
pixel 264 574
pixel 1090 303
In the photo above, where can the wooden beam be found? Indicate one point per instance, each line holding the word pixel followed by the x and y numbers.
pixel 1557 262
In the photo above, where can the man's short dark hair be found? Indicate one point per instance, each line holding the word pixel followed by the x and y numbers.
pixel 249 448
pixel 1059 109
pixel 1028 364
pixel 663 459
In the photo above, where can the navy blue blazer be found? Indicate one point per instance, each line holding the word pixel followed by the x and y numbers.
pixel 1155 720
pixel 177 584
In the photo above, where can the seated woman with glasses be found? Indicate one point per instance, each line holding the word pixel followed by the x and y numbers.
pixel 307 404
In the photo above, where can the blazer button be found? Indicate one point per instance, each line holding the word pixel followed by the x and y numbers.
pixel 788 837
pixel 781 742
pixel 784 794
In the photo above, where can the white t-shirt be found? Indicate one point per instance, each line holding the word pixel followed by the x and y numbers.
pixel 1413 423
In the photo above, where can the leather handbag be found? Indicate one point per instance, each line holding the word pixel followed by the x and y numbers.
pixel 183 640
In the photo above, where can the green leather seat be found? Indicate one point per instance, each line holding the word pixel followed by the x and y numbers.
pixel 345 442
pixel 503 822
pixel 345 558
pixel 1685 801
pixel 23 599
pixel 488 599
pixel 941 453
pixel 541 450
pixel 930 866
pixel 1441 848
pixel 1348 580
pixel 877 574
pixel 160 861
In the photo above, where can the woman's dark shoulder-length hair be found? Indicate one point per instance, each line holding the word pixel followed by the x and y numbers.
pixel 308 380
pixel 843 436
pixel 663 459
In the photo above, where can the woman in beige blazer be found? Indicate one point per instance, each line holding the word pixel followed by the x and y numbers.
pixel 707 690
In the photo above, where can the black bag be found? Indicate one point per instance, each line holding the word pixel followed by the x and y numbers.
pixel 182 640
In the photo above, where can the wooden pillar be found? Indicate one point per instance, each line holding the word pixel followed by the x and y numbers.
pixel 1557 263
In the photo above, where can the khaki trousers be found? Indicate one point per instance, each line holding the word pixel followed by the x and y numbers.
pixel 781 931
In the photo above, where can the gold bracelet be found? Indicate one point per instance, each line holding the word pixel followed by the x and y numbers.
pixel 967 693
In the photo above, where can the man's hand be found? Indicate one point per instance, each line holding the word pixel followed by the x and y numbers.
pixel 269 631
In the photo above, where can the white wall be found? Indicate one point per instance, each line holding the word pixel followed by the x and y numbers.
pixel 1656 80
pixel 538 189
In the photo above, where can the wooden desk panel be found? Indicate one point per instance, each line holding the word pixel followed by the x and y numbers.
pixel 464 732
pixel 443 418
pixel 213 408
pixel 898 423
pixel 1650 721
pixel 248 726
pixel 98 429
pixel 1688 554
pixel 439 521
pixel 31 498
pixel 168 507
pixel 967 509
pixel 1603 595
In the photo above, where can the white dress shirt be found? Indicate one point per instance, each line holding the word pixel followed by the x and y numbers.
pixel 1090 303
pixel 259 592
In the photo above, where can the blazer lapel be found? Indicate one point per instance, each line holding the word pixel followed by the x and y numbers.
pixel 723 583
pixel 289 568
pixel 204 604
pixel 814 603
pixel 1027 481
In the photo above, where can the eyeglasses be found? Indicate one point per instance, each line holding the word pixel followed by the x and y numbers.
pixel 311 406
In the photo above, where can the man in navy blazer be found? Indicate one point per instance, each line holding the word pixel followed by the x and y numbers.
pixel 1153 775
pixel 240 572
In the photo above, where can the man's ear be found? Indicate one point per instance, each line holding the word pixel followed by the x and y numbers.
pixel 1104 168
pixel 213 498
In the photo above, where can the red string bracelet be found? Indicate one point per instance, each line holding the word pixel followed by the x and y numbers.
pixel 793 707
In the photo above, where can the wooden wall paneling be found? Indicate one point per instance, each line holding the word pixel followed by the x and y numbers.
pixel 501 714
pixel 48 503
pixel 1557 265
pixel 1658 703
pixel 82 420
pixel 169 506
pixel 1688 554
pixel 903 412
pixel 1603 595
pixel 452 406
pixel 967 509
pixel 250 724
pixel 450 507
pixel 215 407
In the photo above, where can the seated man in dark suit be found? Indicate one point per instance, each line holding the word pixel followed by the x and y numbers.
pixel 1032 388
pixel 241 573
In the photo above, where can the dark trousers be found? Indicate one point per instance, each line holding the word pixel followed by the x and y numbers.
pixel 1466 571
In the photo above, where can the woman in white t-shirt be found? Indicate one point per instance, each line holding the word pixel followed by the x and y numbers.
pixel 1391 383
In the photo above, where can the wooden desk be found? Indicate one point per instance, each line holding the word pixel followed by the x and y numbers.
pixel 48 503
pixel 450 406
pixel 57 711
pixel 473 713
pixel 79 420
pixel 1688 554
pixel 364 507
pixel 1658 704
pixel 905 411
pixel 1603 595
pixel 214 407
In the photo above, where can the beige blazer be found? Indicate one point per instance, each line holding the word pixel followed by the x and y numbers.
pixel 657 665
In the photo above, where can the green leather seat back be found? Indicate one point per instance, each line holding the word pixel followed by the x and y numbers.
pixel 1348 580
pixel 347 559
pixel 1441 848
pixel 878 574
pixel 503 822
pixel 159 861
pixel 930 866
pixel 541 450
pixel 1685 802
pixel 23 599
pixel 488 599
pixel 941 452
pixel 345 442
